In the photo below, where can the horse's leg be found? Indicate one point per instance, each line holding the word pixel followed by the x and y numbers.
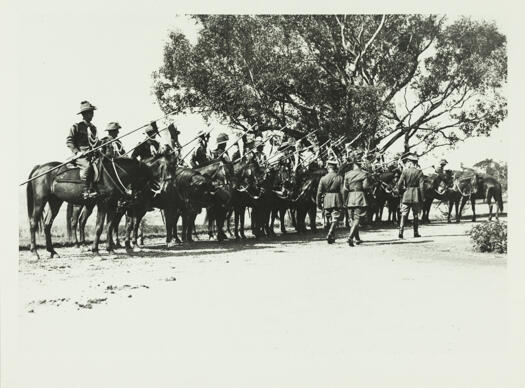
pixel 129 230
pixel 101 216
pixel 111 217
pixel 85 212
pixel 282 215
pixel 176 216
pixel 462 203
pixel 242 212
pixel 236 220
pixel 74 222
pixel 118 218
pixel 211 216
pixel 312 214
pixel 473 204
pixel 54 206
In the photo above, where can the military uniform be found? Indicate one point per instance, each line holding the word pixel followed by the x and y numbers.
pixel 83 137
pixel 355 182
pixel 146 150
pixel 199 157
pixel 413 180
pixel 114 149
pixel 329 198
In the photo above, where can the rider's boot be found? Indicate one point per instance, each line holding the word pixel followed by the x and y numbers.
pixel 88 191
pixel 331 232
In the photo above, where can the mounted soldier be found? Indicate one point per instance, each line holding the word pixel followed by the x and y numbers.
pixel 329 198
pixel 149 147
pixel 355 183
pixel 412 180
pixel 441 169
pixel 174 145
pixel 114 149
pixel 199 156
pixel 81 140
pixel 258 153
pixel 220 151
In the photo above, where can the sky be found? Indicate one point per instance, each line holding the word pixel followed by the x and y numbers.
pixel 107 56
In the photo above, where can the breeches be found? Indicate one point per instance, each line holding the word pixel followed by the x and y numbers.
pixel 332 214
pixel 355 213
pixel 85 167
pixel 405 208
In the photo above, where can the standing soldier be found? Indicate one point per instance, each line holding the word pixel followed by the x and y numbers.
pixel 199 157
pixel 355 182
pixel 220 151
pixel 149 147
pixel 115 148
pixel 413 181
pixel 329 198
pixel 81 139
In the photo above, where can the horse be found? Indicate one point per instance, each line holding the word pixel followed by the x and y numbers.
pixel 305 199
pixel 245 180
pixel 120 178
pixel 193 192
pixel 483 187
pixel 220 173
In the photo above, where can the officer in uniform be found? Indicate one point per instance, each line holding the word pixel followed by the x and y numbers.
pixel 150 147
pixel 115 148
pixel 413 180
pixel 219 152
pixel 199 156
pixel 81 139
pixel 355 182
pixel 329 198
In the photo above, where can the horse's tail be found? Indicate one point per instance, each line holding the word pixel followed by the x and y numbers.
pixel 30 199
pixel 69 216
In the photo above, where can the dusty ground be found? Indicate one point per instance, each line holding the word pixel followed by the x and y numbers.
pixel 291 312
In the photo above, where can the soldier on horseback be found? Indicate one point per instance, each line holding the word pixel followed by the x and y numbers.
pixel 83 138
pixel 329 198
pixel 413 180
pixel 199 157
pixel 149 147
pixel 258 153
pixel 115 148
pixel 220 151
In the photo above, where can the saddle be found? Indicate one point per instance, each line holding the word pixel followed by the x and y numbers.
pixel 70 173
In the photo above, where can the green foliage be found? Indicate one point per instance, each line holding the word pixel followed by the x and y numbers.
pixel 387 76
pixel 490 236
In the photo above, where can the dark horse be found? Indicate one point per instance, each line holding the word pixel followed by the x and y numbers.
pixel 118 179
pixel 475 186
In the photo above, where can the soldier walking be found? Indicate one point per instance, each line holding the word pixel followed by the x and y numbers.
pixel 355 182
pixel 329 198
pixel 81 139
pixel 413 181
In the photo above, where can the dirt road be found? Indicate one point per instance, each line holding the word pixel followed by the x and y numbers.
pixel 292 312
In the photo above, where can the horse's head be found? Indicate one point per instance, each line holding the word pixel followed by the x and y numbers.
pixel 201 190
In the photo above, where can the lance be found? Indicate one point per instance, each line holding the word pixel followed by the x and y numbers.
pixel 289 145
pixel 95 149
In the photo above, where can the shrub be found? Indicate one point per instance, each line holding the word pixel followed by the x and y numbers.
pixel 490 236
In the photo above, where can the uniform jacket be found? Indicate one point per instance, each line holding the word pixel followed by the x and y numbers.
pixel 354 183
pixel 146 150
pixel 215 154
pixel 413 181
pixel 113 149
pixel 330 187
pixel 80 139
pixel 199 157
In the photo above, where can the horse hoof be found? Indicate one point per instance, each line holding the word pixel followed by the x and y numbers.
pixel 137 249
pixel 171 244
pixel 243 237
pixel 54 255
pixel 118 245
pixel 35 256
pixel 178 241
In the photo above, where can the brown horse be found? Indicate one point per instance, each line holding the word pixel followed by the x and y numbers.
pixel 483 187
pixel 118 179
